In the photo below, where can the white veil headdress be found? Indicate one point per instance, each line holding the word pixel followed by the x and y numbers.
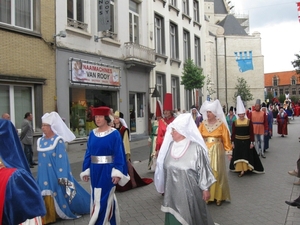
pixel 216 108
pixel 185 125
pixel 58 126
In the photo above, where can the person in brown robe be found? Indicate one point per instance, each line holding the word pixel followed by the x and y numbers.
pixel 282 122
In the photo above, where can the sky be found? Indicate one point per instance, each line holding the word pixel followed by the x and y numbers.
pixel 277 22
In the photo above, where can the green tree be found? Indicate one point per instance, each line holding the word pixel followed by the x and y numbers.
pixel 296 63
pixel 270 96
pixel 281 98
pixel 192 77
pixel 243 90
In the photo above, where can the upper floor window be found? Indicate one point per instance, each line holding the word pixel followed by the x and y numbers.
pixel 159 34
pixel 173 3
pixel 133 22
pixel 173 41
pixel 275 81
pixel 20 13
pixel 112 16
pixel 280 91
pixel 76 10
pixel 185 7
pixel 293 81
pixel 197 52
pixel 186 45
pixel 196 10
pixel 293 91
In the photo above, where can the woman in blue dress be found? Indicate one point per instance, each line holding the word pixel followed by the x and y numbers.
pixel 64 197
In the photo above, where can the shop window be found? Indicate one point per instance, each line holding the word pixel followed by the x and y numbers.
pixel 81 105
pixel 22 14
pixel 16 100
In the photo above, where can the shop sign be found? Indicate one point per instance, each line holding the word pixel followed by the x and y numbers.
pixel 94 73
pixel 103 15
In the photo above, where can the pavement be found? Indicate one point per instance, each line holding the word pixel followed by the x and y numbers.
pixel 255 198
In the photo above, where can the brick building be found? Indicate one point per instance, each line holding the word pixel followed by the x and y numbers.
pixel 281 83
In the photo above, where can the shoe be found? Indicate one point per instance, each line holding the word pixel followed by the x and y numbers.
pixel 293 173
pixel 34 164
pixel 263 156
pixel 282 135
pixel 297 183
pixel 241 174
pixel 218 202
pixel 293 203
pixel 31 166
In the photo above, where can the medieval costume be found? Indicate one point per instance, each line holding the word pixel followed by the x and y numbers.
pixel 183 164
pixel 20 196
pixel 244 156
pixel 217 140
pixel 153 136
pixel 135 179
pixel 196 116
pixel 63 195
pixel 164 122
pixel 260 127
pixel 282 122
pixel 230 118
pixel 104 161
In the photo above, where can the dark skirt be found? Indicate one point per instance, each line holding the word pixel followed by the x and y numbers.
pixel 243 153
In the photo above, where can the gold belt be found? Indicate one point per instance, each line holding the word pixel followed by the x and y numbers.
pixel 101 159
pixel 245 137
pixel 211 140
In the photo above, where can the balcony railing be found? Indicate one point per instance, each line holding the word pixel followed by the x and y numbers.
pixel 77 24
pixel 138 52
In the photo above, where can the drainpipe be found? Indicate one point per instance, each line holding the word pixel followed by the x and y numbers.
pixel 217 69
pixel 225 53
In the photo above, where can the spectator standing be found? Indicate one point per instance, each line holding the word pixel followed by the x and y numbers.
pixel 282 122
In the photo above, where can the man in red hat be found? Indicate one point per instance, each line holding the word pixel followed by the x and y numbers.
pixel 164 122
pixel 105 166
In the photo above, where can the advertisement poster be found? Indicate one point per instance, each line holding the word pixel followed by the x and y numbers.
pixel 93 73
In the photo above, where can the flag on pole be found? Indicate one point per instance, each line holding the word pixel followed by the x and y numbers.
pixel 298 8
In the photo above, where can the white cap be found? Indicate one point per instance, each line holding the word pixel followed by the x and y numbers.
pixel 58 126
pixel 240 108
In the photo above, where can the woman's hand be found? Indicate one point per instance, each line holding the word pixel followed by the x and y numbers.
pixel 86 178
pixel 251 145
pixel 116 180
pixel 205 195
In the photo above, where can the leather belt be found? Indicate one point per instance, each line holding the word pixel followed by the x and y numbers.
pixel 101 159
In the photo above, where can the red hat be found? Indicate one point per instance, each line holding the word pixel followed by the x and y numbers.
pixel 101 111
pixel 158 109
pixel 168 102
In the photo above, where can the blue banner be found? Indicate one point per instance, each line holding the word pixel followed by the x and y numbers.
pixel 244 60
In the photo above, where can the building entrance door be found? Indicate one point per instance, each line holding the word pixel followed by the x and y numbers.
pixel 137 112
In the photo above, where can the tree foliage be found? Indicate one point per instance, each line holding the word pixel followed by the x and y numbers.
pixel 296 63
pixel 192 76
pixel 243 90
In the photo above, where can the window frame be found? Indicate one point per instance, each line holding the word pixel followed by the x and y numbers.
pixel 186 39
pixel 160 85
pixel 132 16
pixel 197 51
pixel 175 90
pixel 196 13
pixel 174 53
pixel 185 7
pixel 159 47
pixel 35 18
pixel 75 10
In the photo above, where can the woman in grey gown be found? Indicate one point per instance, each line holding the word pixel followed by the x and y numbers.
pixel 183 174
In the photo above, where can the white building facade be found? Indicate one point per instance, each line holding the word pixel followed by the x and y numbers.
pixel 177 33
pixel 103 67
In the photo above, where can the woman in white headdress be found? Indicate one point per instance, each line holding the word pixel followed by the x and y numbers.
pixel 214 129
pixel 62 194
pixel 244 155
pixel 183 174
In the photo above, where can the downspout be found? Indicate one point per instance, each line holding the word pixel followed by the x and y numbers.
pixel 225 53
pixel 217 69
